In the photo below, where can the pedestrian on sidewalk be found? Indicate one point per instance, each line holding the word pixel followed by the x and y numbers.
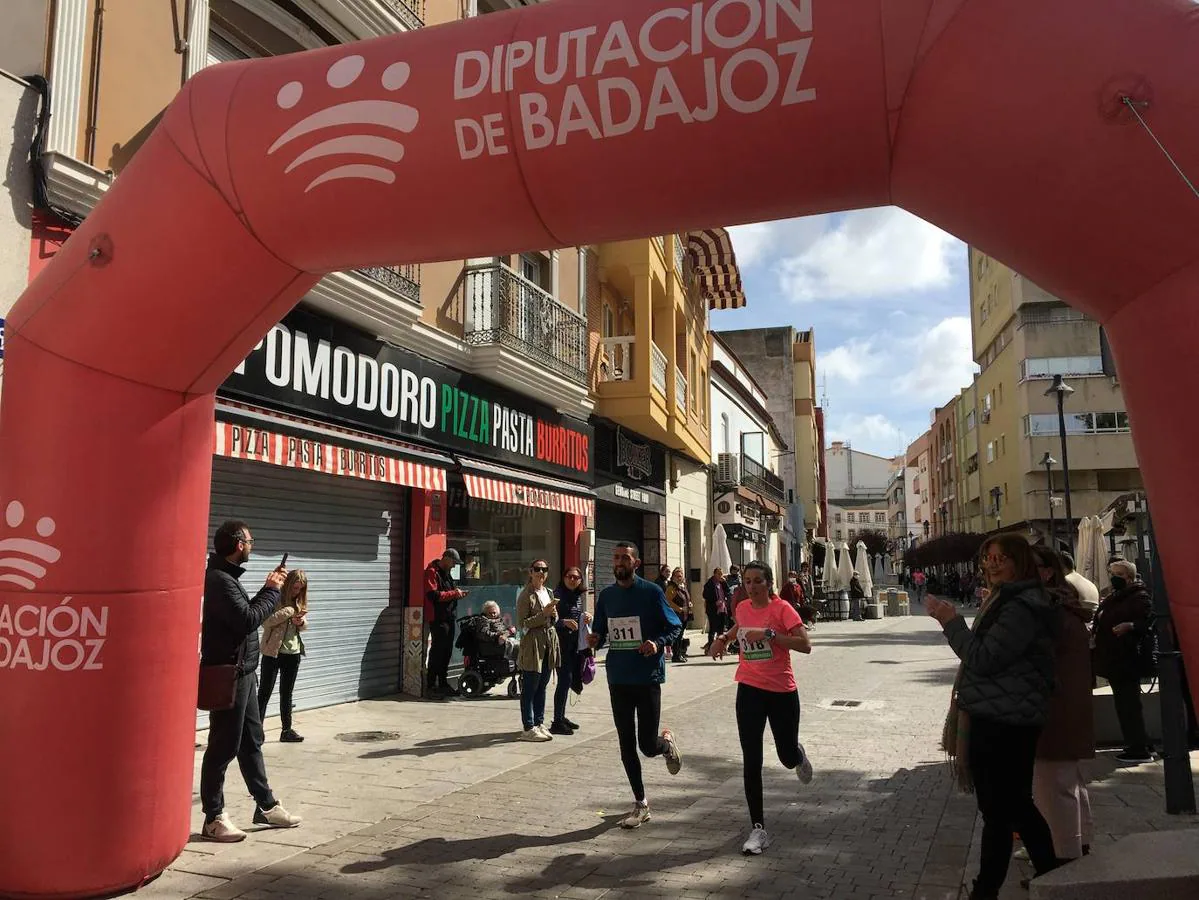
pixel 540 655
pixel 571 596
pixel 679 598
pixel 229 636
pixel 443 595
pixel 768 628
pixel 1123 635
pixel 282 649
pixel 1000 704
pixel 1059 785
pixel 633 618
pixel 716 605
pixel 857 596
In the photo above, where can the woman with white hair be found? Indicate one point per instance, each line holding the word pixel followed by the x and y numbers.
pixel 1123 624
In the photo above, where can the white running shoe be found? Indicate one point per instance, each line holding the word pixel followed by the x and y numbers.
pixel 276 817
pixel 757 841
pixel 638 815
pixel 222 830
pixel 671 752
pixel 545 731
pixel 804 770
pixel 534 734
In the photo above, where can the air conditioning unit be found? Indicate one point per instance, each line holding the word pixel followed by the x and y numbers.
pixel 728 468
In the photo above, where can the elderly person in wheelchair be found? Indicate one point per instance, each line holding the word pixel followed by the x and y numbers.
pixel 495 638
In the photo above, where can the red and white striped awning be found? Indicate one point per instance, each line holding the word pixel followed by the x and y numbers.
pixel 500 491
pixel 716 271
pixel 371 463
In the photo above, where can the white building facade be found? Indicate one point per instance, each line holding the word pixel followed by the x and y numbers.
pixel 748 496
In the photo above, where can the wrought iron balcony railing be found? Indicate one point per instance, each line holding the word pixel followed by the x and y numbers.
pixel 403 280
pixel 505 309
pixel 757 477
pixel 411 12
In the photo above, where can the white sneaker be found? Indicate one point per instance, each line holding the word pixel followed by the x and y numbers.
pixel 276 817
pixel 545 731
pixel 1021 853
pixel 670 751
pixel 533 734
pixel 804 770
pixel 222 830
pixel 635 818
pixel 757 841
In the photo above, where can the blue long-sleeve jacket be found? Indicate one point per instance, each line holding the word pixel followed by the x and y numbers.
pixel 645 602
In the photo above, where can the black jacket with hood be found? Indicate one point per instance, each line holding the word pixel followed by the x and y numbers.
pixel 1007 660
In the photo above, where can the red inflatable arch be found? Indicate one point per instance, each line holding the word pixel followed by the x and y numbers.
pixel 573 122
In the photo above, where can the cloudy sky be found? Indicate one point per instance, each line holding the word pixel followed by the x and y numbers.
pixel 888 296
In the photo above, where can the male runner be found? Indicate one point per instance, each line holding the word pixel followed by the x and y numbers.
pixel 634 619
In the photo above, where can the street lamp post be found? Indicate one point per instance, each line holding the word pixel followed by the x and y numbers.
pixel 1061 390
pixel 1048 462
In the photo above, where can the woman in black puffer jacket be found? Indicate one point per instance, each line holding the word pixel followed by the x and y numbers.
pixel 1122 622
pixel 1001 700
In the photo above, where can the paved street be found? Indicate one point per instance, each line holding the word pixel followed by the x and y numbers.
pixel 452 806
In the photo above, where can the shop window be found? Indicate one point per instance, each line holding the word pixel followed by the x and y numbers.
pixel 498 542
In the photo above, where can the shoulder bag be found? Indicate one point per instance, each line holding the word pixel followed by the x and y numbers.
pixel 218 684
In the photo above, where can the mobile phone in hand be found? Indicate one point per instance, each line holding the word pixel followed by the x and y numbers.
pixel 283 562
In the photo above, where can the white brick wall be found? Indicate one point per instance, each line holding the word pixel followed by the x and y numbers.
pixel 689 500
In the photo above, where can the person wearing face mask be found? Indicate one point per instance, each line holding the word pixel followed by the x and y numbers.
pixel 570 595
pixel 1122 622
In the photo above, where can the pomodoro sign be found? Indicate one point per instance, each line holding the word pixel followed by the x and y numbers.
pixel 331 371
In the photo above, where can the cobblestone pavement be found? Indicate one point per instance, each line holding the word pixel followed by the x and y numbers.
pixel 454 807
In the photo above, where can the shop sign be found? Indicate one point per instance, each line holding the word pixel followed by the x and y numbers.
pixel 633 457
pixel 730 510
pixel 622 457
pixel 330 371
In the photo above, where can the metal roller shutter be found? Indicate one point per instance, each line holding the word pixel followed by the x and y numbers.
pixel 342 532
pixel 613 524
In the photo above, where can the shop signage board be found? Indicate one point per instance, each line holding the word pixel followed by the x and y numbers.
pixel 332 371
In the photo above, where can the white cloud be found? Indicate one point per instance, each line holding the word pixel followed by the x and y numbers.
pixel 852 362
pixel 871 433
pixel 869 253
pixel 942 362
pixel 764 242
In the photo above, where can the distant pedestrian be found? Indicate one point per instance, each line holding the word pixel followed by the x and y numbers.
pixel 443 595
pixel 229 636
pixel 679 598
pixel 282 650
pixel 716 605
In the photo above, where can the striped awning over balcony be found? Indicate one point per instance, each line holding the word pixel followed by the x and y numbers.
pixel 711 252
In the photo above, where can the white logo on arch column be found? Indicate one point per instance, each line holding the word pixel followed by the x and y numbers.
pixel 334 151
pixel 21 558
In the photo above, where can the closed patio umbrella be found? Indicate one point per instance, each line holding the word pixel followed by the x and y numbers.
pixel 861 565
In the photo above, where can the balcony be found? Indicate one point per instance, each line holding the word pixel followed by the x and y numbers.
pixel 410 12
pixel 516 317
pixel 402 280
pixel 680 394
pixel 761 480
pixel 658 365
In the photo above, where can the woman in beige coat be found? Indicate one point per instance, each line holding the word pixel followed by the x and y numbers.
pixel 539 656
pixel 282 649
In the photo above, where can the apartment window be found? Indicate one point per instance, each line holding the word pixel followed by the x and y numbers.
pixel 838 534
pixel 1074 366
pixel 1046 424
pixel 694 381
pixel 971 420
pixel 837 518
pixel 880 518
pixel 535 267
pixel 853 532
pixel 849 517
pixel 990 451
pixel 724 432
pixel 608 325
pixel 987 404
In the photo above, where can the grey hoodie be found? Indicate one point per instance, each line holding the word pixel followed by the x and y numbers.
pixel 1007 660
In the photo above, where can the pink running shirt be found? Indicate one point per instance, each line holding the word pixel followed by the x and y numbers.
pixel 767 665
